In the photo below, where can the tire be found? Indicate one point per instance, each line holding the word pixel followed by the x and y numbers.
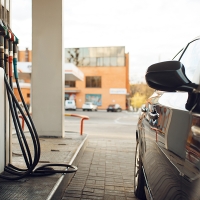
pixel 83 110
pixel 139 181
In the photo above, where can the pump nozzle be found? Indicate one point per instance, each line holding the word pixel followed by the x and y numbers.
pixel 3 29
pixel 15 42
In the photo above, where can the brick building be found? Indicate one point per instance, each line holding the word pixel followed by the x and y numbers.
pixel 106 75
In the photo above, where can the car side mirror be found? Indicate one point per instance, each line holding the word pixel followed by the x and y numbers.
pixel 169 76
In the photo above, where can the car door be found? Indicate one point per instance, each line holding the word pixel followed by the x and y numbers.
pixel 191 173
pixel 157 135
pixel 172 163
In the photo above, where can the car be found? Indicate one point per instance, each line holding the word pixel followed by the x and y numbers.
pixel 167 158
pixel 114 108
pixel 70 105
pixel 89 106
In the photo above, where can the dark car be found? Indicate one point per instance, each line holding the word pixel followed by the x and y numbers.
pixel 167 160
pixel 114 108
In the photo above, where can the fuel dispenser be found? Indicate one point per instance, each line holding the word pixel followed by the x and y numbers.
pixel 2 122
pixel 9 106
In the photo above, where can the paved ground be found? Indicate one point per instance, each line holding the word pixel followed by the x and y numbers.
pixel 106 168
pixel 105 171
pixel 53 150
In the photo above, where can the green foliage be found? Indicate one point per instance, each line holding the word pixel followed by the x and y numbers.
pixel 137 100
pixel 139 94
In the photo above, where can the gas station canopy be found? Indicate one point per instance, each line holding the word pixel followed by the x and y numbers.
pixel 72 73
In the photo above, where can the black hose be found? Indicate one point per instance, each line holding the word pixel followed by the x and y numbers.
pixel 30 162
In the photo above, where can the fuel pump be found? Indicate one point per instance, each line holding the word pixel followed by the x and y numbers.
pixel 4 128
pixel 8 58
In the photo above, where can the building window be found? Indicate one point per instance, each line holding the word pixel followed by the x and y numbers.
pixel 70 84
pixel 96 56
pixel 28 95
pixel 93 82
pixel 95 98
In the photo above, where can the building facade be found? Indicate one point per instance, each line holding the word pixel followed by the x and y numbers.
pixel 25 56
pixel 106 75
pixel 106 71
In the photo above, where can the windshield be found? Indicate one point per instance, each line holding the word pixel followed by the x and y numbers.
pixel 191 61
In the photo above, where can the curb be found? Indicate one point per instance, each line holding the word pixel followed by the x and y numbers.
pixel 59 188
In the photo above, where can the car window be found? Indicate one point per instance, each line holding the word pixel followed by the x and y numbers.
pixel 191 61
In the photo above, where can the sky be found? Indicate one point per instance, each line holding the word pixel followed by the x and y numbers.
pixel 151 31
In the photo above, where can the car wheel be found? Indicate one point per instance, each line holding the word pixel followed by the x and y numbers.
pixel 139 181
pixel 83 110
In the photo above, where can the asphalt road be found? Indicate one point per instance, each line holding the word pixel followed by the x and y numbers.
pixel 104 124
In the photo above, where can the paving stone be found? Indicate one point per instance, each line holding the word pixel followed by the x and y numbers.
pixel 68 191
pixel 109 187
pixel 99 187
pixel 98 191
pixel 109 183
pixel 103 172
pixel 90 181
pixel 119 188
pixel 98 182
pixel 73 195
pixel 91 197
pixel 92 174
pixel 130 194
pixel 109 197
pixel 86 189
pixel 130 189
pixel 70 198
pixel 113 192
pixel 120 198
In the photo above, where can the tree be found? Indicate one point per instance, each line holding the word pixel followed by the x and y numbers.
pixel 137 100
pixel 139 94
